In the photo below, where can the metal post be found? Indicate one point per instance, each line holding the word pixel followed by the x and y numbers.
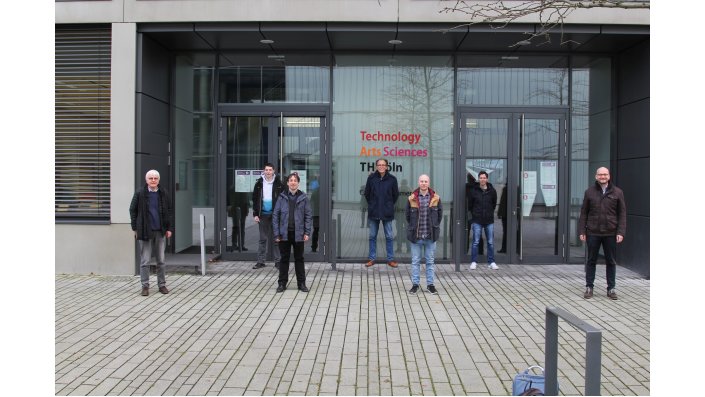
pixel 593 346
pixel 202 221
pixel 333 239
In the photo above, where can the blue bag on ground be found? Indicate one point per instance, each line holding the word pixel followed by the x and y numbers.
pixel 529 384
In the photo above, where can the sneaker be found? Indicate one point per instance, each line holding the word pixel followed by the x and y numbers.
pixel 493 266
pixel 612 294
pixel 430 288
pixel 588 293
pixel 369 263
pixel 414 289
pixel 473 266
pixel 163 290
pixel 258 265
pixel 145 291
pixel 392 263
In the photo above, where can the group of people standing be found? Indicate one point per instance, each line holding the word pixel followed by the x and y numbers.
pixel 285 219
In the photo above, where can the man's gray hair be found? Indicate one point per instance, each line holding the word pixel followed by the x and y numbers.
pixel 151 172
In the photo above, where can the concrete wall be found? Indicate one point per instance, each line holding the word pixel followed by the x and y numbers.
pixel 300 10
pixel 633 154
pixel 98 249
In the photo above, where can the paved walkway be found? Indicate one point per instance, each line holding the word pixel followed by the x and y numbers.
pixel 356 333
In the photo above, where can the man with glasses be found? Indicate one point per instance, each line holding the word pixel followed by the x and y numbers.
pixel 381 193
pixel 603 221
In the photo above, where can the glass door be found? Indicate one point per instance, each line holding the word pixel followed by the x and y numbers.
pixel 521 152
pixel 292 144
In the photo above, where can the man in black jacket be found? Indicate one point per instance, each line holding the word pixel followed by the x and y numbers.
pixel 603 221
pixel 151 216
pixel 482 201
pixel 381 193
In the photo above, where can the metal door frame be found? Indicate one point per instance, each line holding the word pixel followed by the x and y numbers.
pixel 272 111
pixel 514 114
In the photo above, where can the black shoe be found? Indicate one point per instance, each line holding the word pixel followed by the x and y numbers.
pixel 245 249
pixel 313 249
pixel 276 264
pixel 258 265
pixel 303 288
pixel 502 251
pixel 414 289
pixel 430 288
pixel 281 288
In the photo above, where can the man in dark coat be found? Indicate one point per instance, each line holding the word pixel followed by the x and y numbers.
pixel 603 222
pixel 151 217
pixel 482 201
pixel 381 192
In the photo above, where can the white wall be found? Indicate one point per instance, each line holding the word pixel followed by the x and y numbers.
pixel 98 249
pixel 299 10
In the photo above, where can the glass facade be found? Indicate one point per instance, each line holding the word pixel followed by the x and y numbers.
pixel 404 113
pixel 401 109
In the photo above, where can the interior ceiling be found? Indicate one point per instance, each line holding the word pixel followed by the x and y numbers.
pixel 341 38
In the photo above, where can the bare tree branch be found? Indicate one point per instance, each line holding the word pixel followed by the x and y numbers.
pixel 551 13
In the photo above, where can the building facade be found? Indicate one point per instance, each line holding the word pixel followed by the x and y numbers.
pixel 208 91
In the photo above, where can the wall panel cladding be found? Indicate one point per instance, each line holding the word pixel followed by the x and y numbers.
pixel 154 77
pixel 633 74
pixel 634 252
pixel 633 124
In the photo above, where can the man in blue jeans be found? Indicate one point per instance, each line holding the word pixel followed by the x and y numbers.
pixel 482 201
pixel 603 221
pixel 381 192
pixel 423 215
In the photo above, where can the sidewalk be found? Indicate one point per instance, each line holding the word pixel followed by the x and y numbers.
pixel 357 332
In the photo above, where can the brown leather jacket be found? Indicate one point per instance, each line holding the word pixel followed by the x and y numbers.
pixel 603 215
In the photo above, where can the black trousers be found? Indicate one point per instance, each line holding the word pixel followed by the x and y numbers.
pixel 609 246
pixel 285 250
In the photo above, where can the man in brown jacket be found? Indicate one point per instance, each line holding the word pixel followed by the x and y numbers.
pixel 603 221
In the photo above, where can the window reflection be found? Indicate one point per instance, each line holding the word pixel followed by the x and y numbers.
pixel 404 114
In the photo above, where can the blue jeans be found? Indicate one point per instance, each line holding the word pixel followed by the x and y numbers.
pixel 489 236
pixel 429 247
pixel 609 247
pixel 388 235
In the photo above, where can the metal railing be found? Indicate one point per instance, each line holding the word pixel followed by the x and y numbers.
pixel 593 346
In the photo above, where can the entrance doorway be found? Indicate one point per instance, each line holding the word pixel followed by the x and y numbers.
pixel 292 142
pixel 524 152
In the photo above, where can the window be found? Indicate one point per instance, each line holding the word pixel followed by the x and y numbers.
pixel 82 124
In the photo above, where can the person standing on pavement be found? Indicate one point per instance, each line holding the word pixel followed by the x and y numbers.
pixel 151 217
pixel 603 222
pixel 423 215
pixel 264 197
pixel 482 201
pixel 292 219
pixel 381 192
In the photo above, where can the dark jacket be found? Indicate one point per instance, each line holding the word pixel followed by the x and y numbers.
pixel 435 215
pixel 139 213
pixel 481 204
pixel 303 218
pixel 603 215
pixel 257 195
pixel 381 193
